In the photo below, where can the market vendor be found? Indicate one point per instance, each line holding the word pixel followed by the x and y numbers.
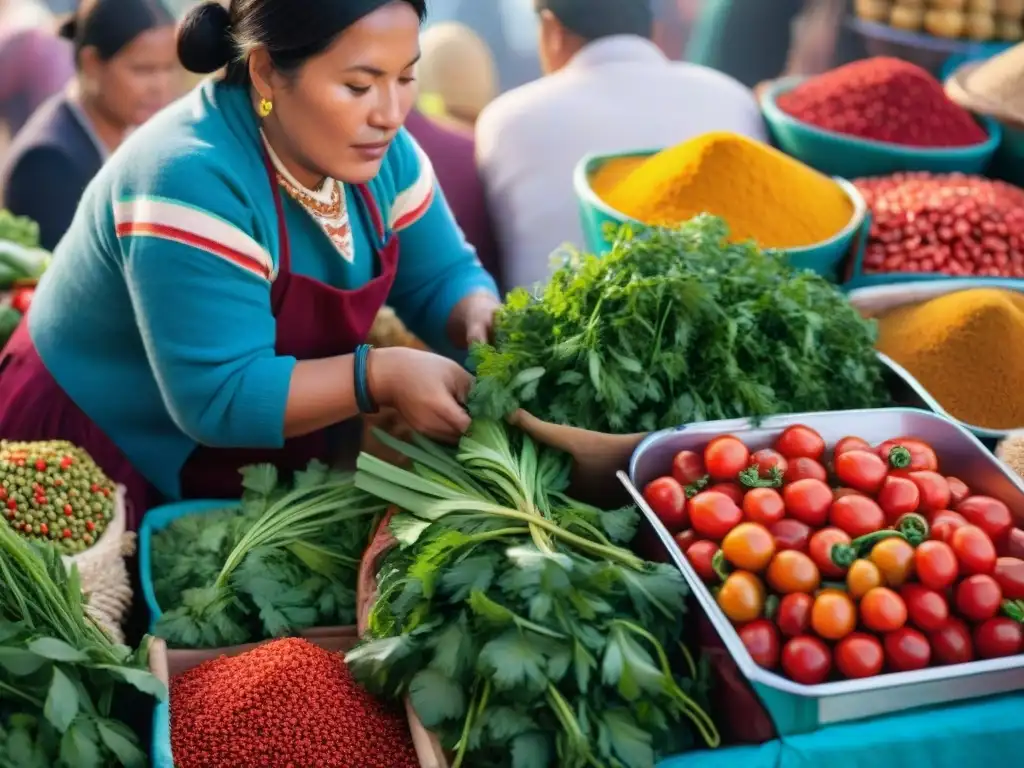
pixel 207 308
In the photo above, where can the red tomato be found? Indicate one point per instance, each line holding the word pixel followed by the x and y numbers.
pixel 998 637
pixel 857 515
pixel 922 457
pixel 991 515
pixel 859 655
pixel 761 639
pixel 803 468
pixel 768 459
pixel 1013 546
pixel 850 444
pixel 699 555
pixel 958 490
pixel 952 644
pixel 806 660
pixel 725 457
pixel 935 565
pixel 685 538
pixel 978 597
pixel 840 493
pixel 974 550
pixel 820 550
pixel 907 650
pixel 1009 572
pixel 790 534
pixel 22 299
pixel 882 610
pixel 688 467
pixel 933 488
pixel 808 501
pixel 794 614
pixel 800 442
pixel 733 490
pixel 764 506
pixel 860 470
pixel 668 500
pixel 944 523
pixel 713 514
pixel 926 608
pixel 898 496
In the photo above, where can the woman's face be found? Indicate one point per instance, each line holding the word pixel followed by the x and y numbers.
pixel 141 79
pixel 339 113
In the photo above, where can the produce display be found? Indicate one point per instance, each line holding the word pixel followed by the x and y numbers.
pixel 731 176
pixel 53 491
pixel 675 326
pixel 956 346
pixel 978 20
pixel 850 563
pixel 286 702
pixel 953 224
pixel 994 87
pixel 285 561
pixel 60 674
pixel 515 619
pixel 883 99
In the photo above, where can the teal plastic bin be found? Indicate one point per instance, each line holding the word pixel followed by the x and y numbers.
pixel 1008 163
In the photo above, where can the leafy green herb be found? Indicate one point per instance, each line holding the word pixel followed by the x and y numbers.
pixel 675 326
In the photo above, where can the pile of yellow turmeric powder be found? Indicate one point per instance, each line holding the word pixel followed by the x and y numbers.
pixel 762 194
pixel 966 349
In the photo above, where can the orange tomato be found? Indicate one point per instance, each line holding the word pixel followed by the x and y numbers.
pixel 834 615
pixel 882 610
pixel 895 559
pixel 792 571
pixel 749 547
pixel 741 597
pixel 862 577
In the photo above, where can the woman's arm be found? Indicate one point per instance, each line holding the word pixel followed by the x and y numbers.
pixel 45 185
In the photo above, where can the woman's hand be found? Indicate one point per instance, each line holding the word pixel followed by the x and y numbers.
pixel 473 319
pixel 426 389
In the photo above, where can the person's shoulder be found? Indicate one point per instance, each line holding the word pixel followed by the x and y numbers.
pixel 516 107
pixel 686 73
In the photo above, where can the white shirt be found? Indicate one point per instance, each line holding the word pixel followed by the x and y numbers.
pixel 617 94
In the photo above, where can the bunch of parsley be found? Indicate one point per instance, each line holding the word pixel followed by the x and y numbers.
pixel 675 326
pixel 522 630
pixel 285 560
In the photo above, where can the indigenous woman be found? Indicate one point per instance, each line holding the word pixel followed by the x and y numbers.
pixel 208 307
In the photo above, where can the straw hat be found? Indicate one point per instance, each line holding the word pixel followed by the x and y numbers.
pixel 458 66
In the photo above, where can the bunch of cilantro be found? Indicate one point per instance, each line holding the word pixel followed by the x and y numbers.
pixel 521 628
pixel 285 560
pixel 675 326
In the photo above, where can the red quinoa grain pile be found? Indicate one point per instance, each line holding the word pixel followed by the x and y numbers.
pixel 287 703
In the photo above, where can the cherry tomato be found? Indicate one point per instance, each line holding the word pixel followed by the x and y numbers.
pixel 842 493
pixel 794 614
pixel 933 488
pixel 790 534
pixel 906 650
pixel 800 442
pixel 22 299
pixel 958 490
pixel 922 457
pixel 700 555
pixel 685 538
pixel 998 637
pixel 978 597
pixel 808 501
pixel 806 660
pixel 859 655
pixel 935 565
pixel 898 496
pixel 804 469
pixel 668 500
pixel 688 467
pixel 952 643
pixel 749 547
pixel 862 577
pixel 764 506
pixel 741 597
pixel 1013 546
pixel 834 615
pixel 725 457
pixel 791 571
pixel 882 610
pixel 926 608
pixel 850 444
pixel 944 523
pixel 974 550
pixel 860 470
pixel 820 550
pixel 857 515
pixel 895 559
pixel 761 639
pixel 991 515
pixel 713 514
pixel 733 490
pixel 767 460
pixel 1009 572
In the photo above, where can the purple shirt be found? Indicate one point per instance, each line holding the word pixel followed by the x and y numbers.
pixel 34 65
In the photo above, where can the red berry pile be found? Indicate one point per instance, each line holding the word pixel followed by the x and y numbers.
pixel 883 99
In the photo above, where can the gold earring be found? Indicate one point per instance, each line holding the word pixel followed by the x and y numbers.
pixel 266 107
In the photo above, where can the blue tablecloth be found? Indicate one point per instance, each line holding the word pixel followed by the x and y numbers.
pixel 987 734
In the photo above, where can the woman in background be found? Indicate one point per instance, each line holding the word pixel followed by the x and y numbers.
pixel 126 71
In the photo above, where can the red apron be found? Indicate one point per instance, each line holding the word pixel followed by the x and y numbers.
pixel 314 320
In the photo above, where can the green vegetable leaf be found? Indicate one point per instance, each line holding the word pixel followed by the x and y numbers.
pixel 56 650
pixel 121 743
pixel 620 737
pixel 629 667
pixel 140 679
pixel 436 698
pixel 453 649
pixel 512 660
pixel 532 750
pixel 260 478
pixel 78 748
pixel 61 706
pixel 505 723
pixel 20 663
pixel 468 575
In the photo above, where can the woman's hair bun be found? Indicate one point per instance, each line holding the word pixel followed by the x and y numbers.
pixel 204 38
pixel 68 27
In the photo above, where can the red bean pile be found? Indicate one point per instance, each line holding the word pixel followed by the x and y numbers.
pixel 883 99
pixel 954 224
pixel 286 704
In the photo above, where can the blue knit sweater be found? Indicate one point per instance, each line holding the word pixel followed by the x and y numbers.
pixel 155 314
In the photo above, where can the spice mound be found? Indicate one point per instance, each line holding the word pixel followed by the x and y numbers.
pixel 953 224
pixel 762 194
pixel 883 99
pixel 285 703
pixel 964 349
